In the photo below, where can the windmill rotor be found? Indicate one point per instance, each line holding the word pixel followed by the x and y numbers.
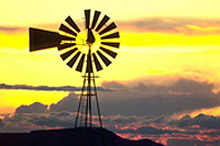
pixel 85 49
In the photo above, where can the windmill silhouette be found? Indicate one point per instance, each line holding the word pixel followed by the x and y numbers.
pixel 87 50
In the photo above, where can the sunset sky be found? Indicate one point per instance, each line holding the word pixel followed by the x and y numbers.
pixel 169 57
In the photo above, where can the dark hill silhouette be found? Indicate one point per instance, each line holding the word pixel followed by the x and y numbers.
pixel 65 137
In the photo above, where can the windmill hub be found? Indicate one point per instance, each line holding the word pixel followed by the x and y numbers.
pixel 83 45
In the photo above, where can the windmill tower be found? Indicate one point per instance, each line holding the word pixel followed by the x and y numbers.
pixel 87 49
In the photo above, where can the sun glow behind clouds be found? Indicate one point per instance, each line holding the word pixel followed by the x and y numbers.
pixel 14 98
pixel 210 111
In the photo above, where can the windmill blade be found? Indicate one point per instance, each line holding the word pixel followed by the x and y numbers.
pixel 109 52
pixel 67 38
pixel 103 22
pixel 65 45
pixel 80 64
pixel 87 17
pixel 42 39
pixel 95 19
pixel 67 30
pixel 104 59
pixel 116 45
pixel 108 28
pixel 70 21
pixel 111 36
pixel 89 64
pixel 73 60
pixel 64 56
pixel 97 64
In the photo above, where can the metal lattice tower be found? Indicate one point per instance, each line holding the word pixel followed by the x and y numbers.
pixel 84 112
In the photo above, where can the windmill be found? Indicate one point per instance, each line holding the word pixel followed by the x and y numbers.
pixel 87 49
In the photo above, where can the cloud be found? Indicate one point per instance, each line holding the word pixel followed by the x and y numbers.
pixel 143 99
pixel 33 108
pixel 147 130
pixel 45 88
pixel 68 103
pixel 179 142
pixel 22 29
pixel 12 29
pixel 203 121
pixel 1 122
pixel 188 26
pixel 182 96
pixel 129 126
pixel 142 110
pixel 62 119
pixel 26 122
pixel 192 87
pixel 113 85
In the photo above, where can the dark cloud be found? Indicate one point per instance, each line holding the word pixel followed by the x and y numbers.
pixel 146 126
pixel 203 121
pixel 45 88
pixel 183 96
pixel 113 85
pixel 68 103
pixel 192 87
pixel 1 123
pixel 148 130
pixel 185 142
pixel 33 108
pixel 122 119
pixel 62 119
pixel 25 122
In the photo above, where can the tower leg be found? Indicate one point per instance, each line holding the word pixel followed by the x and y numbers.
pixel 97 103
pixel 80 102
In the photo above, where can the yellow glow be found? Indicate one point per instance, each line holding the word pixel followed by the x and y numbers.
pixel 211 111
pixel 168 40
pixel 204 29
pixel 14 98
pixel 158 54
pixel 13 41
pixel 6 110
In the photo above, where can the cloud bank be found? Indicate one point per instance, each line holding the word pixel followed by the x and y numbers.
pixel 188 26
pixel 187 130
pixel 135 112
pixel 46 88
pixel 183 96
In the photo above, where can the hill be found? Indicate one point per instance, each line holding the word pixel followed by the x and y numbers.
pixel 70 137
